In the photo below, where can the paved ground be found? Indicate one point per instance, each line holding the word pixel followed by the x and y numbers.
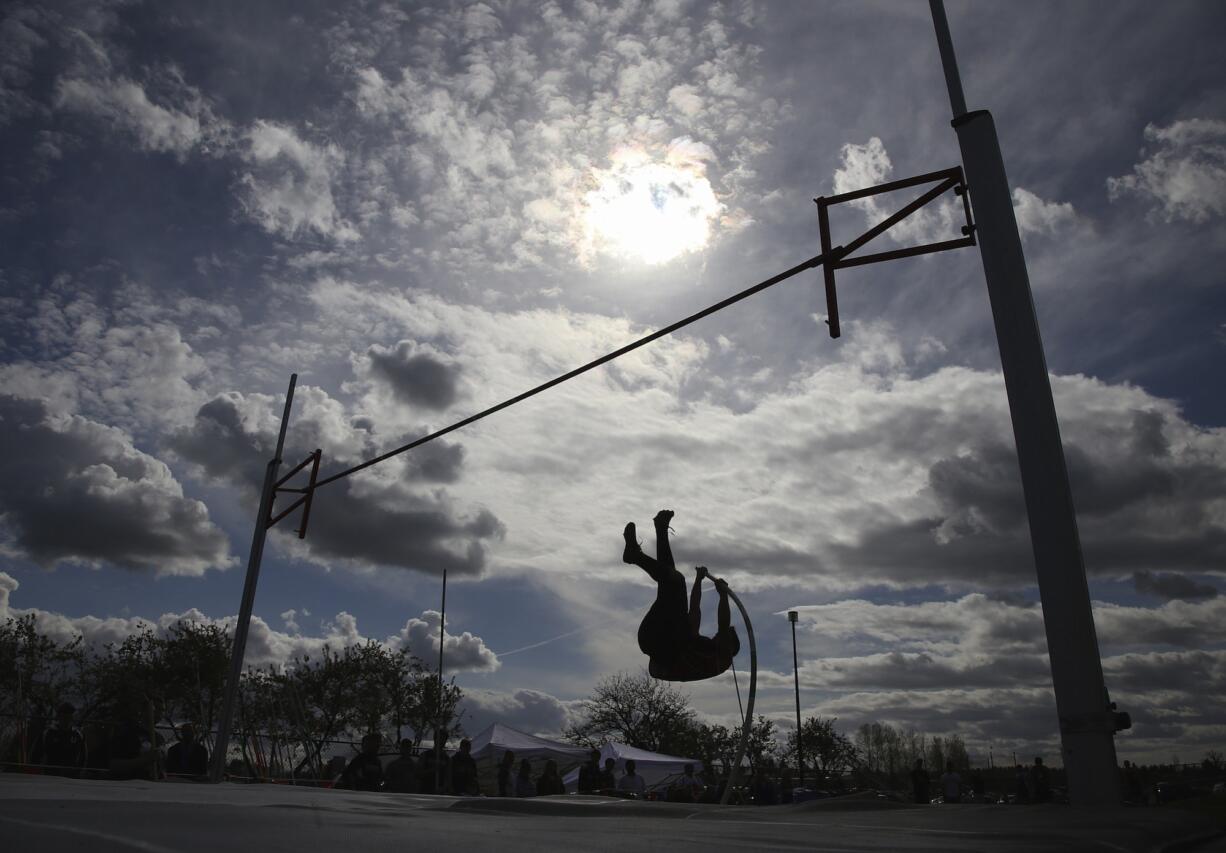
pixel 48 815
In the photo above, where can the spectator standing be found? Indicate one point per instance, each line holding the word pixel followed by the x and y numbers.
pixel 550 781
pixel 786 784
pixel 1021 790
pixel 951 784
pixel 921 783
pixel 524 786
pixel 506 786
pixel 464 771
pixel 400 776
pixel 1040 782
pixel 689 785
pixel 631 782
pixel 763 788
pixel 365 771
pixel 1132 783
pixel 134 750
pixel 608 776
pixel 61 748
pixel 188 757
pixel 589 774
pixel 436 756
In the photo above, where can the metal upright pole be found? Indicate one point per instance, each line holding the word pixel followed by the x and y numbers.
pixel 442 636
pixel 225 721
pixel 800 762
pixel 1086 723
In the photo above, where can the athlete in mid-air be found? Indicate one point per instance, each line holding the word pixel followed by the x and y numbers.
pixel 669 634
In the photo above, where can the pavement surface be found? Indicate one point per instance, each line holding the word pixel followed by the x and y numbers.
pixel 42 814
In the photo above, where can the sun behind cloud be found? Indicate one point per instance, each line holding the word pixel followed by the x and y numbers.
pixel 650 207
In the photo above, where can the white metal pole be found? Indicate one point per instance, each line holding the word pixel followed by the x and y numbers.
pixel 225 721
pixel 1086 722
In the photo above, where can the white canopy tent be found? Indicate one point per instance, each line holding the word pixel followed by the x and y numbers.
pixel 496 739
pixel 658 770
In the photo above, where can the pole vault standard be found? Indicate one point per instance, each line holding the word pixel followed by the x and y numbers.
pixel 832 258
pixel 1088 721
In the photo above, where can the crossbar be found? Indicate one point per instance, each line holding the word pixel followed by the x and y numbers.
pixel 831 258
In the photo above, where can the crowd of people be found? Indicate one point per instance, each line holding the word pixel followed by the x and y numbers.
pixel 115 749
pixel 1029 786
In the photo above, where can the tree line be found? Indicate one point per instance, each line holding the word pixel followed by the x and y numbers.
pixel 287 714
pixel 653 715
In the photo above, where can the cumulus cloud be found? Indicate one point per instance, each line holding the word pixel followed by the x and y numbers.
pixel 77 491
pixel 465 652
pixel 1184 171
pixel 1167 586
pixel 1036 216
pixel 918 479
pixel 178 127
pixel 127 365
pixel 288 188
pixel 266 646
pixel 977 666
pixel 383 517
pixel 498 136
pixel 867 165
pixel 418 374
pixel 531 711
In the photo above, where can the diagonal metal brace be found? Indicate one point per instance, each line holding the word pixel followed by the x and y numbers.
pixel 946 179
pixel 308 493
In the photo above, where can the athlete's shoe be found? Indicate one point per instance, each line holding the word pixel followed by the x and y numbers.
pixel 632 544
pixel 663 517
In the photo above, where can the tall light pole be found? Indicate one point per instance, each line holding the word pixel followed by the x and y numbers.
pixel 1087 724
pixel 800 755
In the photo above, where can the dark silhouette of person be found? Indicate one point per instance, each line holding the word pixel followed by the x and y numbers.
pixel 921 783
pixel 589 774
pixel 951 784
pixel 134 749
pixel 668 634
pixel 400 775
pixel 1021 789
pixel 365 771
pixel 550 781
pixel 61 749
pixel 763 788
pixel 787 784
pixel 188 757
pixel 631 782
pixel 464 771
pixel 524 786
pixel 688 788
pixel 608 776
pixel 1040 781
pixel 506 787
pixel 435 758
pixel 1132 783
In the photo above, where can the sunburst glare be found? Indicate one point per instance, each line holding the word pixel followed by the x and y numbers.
pixel 651 208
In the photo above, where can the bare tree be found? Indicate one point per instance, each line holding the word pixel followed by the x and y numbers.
pixel 637 710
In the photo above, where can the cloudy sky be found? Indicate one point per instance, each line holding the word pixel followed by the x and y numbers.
pixel 425 209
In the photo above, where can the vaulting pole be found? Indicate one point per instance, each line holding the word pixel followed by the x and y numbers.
pixel 747 723
pixel 1087 725
pixel 221 745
